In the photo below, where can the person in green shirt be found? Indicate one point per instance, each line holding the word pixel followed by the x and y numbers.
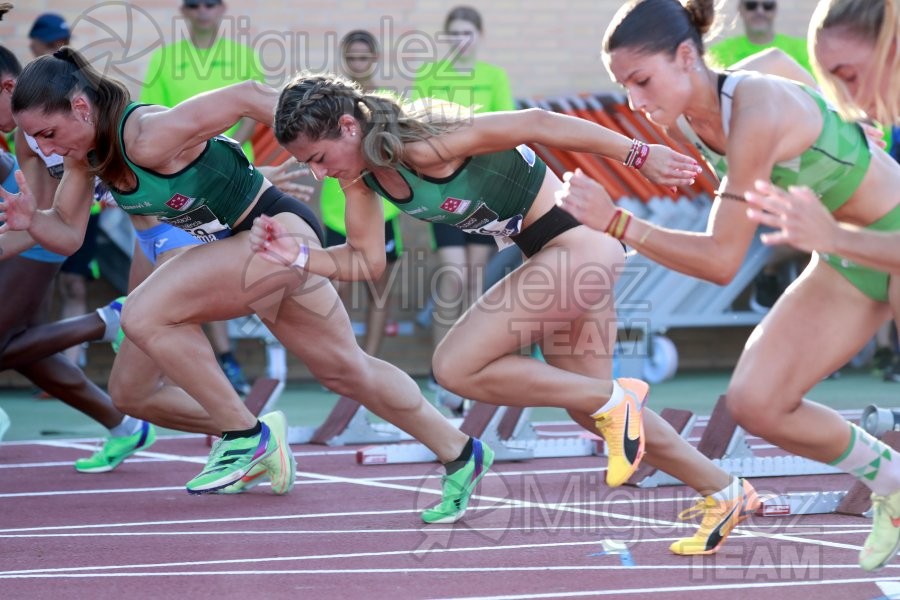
pixel 462 257
pixel 759 34
pixel 203 62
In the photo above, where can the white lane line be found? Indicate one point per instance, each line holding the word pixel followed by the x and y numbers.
pixel 596 540
pixel 513 503
pixel 511 569
pixel 673 589
pixel 346 556
pixel 531 530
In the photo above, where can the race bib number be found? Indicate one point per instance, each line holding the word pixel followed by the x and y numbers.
pixel 484 221
pixel 200 223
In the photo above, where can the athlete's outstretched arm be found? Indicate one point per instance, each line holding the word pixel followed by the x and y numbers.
pixel 759 125
pixel 774 61
pixel 156 137
pixel 494 132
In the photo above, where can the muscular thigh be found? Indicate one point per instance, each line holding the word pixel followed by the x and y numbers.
pixel 813 330
pixel 133 372
pixel 313 324
pixel 219 281
pixel 557 295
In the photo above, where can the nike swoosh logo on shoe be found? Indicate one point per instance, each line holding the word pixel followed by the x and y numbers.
pixel 715 536
pixel 631 447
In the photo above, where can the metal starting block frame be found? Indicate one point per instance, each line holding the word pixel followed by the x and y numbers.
pixel 505 429
pixel 347 423
pixel 736 457
pixel 726 445
pixel 800 503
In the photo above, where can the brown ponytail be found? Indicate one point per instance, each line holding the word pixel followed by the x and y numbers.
pixel 312 104
pixel 48 83
pixel 655 26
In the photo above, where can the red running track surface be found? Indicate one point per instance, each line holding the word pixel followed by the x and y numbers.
pixel 536 529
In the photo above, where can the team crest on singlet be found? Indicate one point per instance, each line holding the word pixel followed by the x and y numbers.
pixel 180 202
pixel 455 205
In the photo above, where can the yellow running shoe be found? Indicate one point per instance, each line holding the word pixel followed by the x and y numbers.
pixel 719 519
pixel 884 540
pixel 623 430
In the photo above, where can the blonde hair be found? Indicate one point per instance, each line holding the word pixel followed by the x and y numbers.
pixel 312 104
pixel 877 22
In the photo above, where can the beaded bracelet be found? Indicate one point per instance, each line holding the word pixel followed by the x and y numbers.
pixel 638 154
pixel 730 196
pixel 618 225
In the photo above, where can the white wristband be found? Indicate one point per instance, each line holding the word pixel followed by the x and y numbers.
pixel 302 257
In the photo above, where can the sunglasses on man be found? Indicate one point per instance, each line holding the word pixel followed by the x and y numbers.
pixel 752 5
pixel 194 4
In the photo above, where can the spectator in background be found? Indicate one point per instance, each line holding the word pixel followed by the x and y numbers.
pixel 759 34
pixel 359 59
pixel 462 257
pixel 205 61
pixel 49 33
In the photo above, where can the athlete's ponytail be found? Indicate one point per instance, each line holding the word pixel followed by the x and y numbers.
pixel 660 26
pixel 48 83
pixel 312 104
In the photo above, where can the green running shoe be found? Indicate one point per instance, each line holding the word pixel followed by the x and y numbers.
pixel 457 488
pixel 117 449
pixel 280 467
pixel 281 464
pixel 230 460
pixel 255 476
pixel 884 540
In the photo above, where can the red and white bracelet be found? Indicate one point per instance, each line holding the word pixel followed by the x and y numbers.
pixel 638 154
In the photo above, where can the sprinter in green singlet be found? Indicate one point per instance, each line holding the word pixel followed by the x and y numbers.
pixel 172 164
pixel 758 127
pixel 477 173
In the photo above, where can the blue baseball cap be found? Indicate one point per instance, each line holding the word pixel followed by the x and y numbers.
pixel 49 28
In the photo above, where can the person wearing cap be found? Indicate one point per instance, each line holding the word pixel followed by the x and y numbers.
pixel 49 33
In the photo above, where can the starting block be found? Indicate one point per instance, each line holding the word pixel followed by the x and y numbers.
pixel 505 429
pixel 726 445
pixel 799 503
pixel 347 423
